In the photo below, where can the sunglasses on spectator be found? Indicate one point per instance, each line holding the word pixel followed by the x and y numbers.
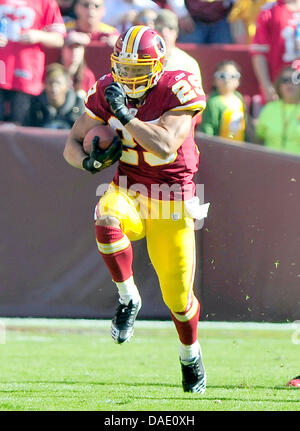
pixel 286 80
pixel 88 5
pixel 227 75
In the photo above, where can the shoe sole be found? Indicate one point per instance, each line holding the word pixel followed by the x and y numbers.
pixel 199 388
pixel 115 335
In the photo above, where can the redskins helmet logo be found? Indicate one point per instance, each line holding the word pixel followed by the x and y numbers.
pixel 159 46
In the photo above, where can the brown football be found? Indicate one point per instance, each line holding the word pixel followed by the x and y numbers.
pixel 105 133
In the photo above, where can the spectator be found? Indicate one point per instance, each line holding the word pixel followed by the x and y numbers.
pixel 127 12
pixel 146 17
pixel 30 26
pixel 58 107
pixel 203 21
pixel 88 25
pixel 73 59
pixel 226 113
pixel 166 24
pixel 243 18
pixel 67 9
pixel 278 124
pixel 275 43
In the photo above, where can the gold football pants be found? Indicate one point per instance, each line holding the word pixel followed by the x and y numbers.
pixel 170 237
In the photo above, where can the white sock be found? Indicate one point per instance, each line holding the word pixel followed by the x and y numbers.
pixel 128 291
pixel 188 353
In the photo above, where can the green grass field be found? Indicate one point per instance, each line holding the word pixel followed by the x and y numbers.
pixel 63 365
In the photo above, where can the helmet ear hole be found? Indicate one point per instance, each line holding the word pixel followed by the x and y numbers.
pixel 137 61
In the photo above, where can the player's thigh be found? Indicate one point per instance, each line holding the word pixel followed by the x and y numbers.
pixel 118 204
pixel 171 247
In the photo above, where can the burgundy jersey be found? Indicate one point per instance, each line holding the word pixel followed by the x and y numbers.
pixel 175 91
pixel 22 65
pixel 276 36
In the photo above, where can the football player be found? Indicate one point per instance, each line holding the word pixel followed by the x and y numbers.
pixel 152 194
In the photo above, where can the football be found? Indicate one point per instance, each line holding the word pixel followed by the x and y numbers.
pixel 105 133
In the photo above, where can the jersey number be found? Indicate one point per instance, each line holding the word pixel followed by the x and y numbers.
pixel 187 90
pixel 291 50
pixel 131 156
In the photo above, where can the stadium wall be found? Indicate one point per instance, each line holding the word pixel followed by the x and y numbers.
pixel 248 265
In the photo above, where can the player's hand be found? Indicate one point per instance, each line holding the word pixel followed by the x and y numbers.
pixel 116 98
pixel 100 159
pixel 115 95
pixel 92 163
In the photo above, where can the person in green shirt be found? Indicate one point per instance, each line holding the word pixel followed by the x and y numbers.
pixel 226 113
pixel 278 125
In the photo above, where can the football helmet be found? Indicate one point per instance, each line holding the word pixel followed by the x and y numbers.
pixel 137 60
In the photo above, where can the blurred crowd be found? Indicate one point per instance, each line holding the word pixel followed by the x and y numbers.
pixel 34 93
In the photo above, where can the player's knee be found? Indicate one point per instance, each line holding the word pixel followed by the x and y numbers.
pixel 107 221
pixel 175 303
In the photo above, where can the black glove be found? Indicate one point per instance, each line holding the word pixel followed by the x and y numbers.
pixel 116 97
pixel 100 159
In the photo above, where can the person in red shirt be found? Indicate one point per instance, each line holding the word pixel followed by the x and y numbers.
pixel 276 43
pixel 88 25
pixel 29 26
pixel 154 112
pixel 73 58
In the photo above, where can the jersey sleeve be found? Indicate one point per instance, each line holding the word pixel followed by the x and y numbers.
pixel 186 93
pixel 53 20
pixel 96 106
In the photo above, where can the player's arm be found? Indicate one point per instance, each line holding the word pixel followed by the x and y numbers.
pixel 73 152
pixel 164 138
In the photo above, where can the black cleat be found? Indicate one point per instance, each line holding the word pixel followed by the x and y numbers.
pixel 123 322
pixel 193 375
